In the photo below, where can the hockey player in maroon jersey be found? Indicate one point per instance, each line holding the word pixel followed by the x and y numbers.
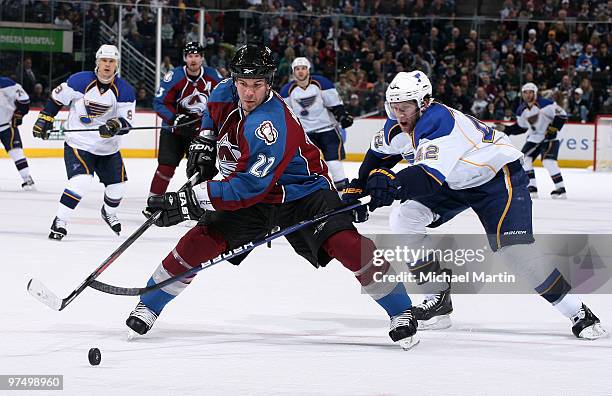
pixel 182 97
pixel 272 176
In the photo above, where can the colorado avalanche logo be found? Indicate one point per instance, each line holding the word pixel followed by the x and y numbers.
pixel 94 110
pixel 195 103
pixel 266 132
pixel 305 103
pixel 228 155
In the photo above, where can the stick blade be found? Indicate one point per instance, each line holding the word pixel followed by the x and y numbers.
pixel 44 295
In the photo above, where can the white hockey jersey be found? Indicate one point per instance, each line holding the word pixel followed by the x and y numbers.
pixel 10 92
pixel 537 118
pixel 313 103
pixel 450 146
pixel 91 107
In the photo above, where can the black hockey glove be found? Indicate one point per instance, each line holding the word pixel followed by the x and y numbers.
pixel 43 125
pixel 202 158
pixel 110 129
pixel 551 133
pixel 189 130
pixel 382 187
pixel 350 194
pixel 346 120
pixel 176 207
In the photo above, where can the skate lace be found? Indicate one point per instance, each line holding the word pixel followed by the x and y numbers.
pixel 432 302
pixel 402 319
pixel 60 223
pixel 111 218
pixel 142 312
pixel 579 316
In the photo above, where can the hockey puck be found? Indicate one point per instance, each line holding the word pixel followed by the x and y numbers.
pixel 95 356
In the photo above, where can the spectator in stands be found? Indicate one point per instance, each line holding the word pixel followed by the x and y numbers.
pixel 27 74
pixel 344 88
pixel 38 98
pixel 62 21
pixel 167 31
pixel 489 113
pixel 166 66
pixel 587 61
pixel 604 57
pixel 480 103
pixel 578 107
pixel 143 100
pixel 354 107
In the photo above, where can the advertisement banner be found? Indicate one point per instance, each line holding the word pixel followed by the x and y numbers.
pixel 35 40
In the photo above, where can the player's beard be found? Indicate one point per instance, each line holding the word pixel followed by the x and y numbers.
pixel 194 69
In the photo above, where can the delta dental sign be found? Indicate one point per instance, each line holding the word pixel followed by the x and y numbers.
pixel 35 40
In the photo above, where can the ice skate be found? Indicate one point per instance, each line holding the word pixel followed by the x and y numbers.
pixel 434 313
pixel 111 220
pixel 403 330
pixel 140 321
pixel 586 325
pixel 58 229
pixel 559 193
pixel 28 184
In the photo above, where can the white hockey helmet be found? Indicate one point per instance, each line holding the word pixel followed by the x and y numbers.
pixel 300 61
pixel 405 86
pixel 530 87
pixel 107 51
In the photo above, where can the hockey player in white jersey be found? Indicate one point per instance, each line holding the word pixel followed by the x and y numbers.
pixel 541 119
pixel 14 104
pixel 102 101
pixel 459 163
pixel 317 104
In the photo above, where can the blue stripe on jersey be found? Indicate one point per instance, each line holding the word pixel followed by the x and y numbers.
pixel 224 92
pixel 434 173
pixel 165 87
pixel 437 121
pixel 264 156
pixel 213 73
pixel 544 102
pixel 391 129
pixel 126 91
pixel 6 82
pixel 286 89
pixel 324 83
pixel 79 81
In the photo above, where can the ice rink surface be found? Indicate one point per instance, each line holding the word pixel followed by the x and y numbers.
pixel 275 325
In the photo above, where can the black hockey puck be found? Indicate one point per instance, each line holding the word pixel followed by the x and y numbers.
pixel 95 356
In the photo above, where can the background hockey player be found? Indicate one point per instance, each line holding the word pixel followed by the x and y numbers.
pixel 541 119
pixel 461 163
pixel 181 99
pixel 104 102
pixel 319 108
pixel 14 104
pixel 272 176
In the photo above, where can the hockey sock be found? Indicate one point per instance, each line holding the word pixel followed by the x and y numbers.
pixel 196 246
pixel 74 191
pixel 337 171
pixel 161 179
pixel 113 193
pixel 20 162
pixel 555 172
pixel 528 166
pixel 569 305
pixel 356 253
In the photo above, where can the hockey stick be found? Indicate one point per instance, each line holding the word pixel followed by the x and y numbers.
pixel 128 128
pixel 43 294
pixel 137 291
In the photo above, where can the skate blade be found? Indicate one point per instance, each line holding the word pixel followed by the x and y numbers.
pixel 132 335
pixel 561 196
pixel 593 332
pixel 534 195
pixel 409 342
pixel 436 323
pixel 29 188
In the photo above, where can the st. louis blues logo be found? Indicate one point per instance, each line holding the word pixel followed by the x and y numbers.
pixel 305 103
pixel 94 110
pixel 418 76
